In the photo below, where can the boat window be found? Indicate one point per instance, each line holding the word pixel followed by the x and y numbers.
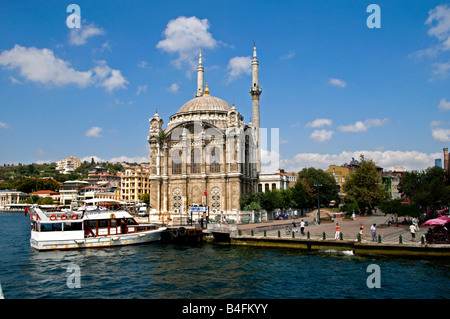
pixel 92 223
pixel 51 227
pixel 72 226
pixel 131 221
pixel 113 223
pixel 102 223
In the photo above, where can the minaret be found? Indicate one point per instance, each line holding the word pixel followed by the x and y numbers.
pixel 200 70
pixel 256 91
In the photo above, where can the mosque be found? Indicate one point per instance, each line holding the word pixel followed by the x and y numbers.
pixel 206 155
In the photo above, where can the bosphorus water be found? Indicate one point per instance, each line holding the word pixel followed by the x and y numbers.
pixel 166 271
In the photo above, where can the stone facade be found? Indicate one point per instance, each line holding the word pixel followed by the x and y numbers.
pixel 206 156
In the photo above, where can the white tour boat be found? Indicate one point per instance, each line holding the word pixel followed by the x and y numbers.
pixel 88 227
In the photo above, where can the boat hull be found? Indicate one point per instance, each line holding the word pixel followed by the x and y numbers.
pixel 99 241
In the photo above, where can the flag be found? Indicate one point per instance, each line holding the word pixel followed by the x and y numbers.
pixel 206 191
pixel 26 210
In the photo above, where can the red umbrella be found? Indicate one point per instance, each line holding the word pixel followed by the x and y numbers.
pixel 446 218
pixel 436 222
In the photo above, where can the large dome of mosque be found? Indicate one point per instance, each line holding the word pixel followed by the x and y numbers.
pixel 204 103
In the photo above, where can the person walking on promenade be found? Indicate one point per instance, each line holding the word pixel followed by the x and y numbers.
pixel 361 231
pixel 373 229
pixel 302 227
pixel 416 223
pixel 338 231
pixel 412 230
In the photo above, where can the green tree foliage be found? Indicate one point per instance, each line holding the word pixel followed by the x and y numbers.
pixel 426 188
pixel 32 184
pixel 328 190
pixel 364 185
pixel 395 207
pixel 296 197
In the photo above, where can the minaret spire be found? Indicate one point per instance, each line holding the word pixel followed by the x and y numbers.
pixel 200 71
pixel 256 91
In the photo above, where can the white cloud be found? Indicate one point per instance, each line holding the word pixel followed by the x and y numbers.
pixel 360 126
pixel 337 82
pixel 436 123
pixel 141 89
pixel 4 125
pixel 14 80
pixel 135 159
pixel 79 36
pixel 439 20
pixel 441 135
pixel 173 88
pixel 444 105
pixel 40 152
pixel 142 64
pixel 320 123
pixel 239 65
pixel 94 132
pixel 89 159
pixel 441 70
pixel 321 135
pixel 114 81
pixel 186 36
pixel 42 66
pixel 289 55
pixel 411 160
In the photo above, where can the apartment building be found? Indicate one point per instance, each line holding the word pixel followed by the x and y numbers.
pixel 68 165
pixel 134 183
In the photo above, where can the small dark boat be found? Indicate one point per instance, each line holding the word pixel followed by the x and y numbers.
pixel 221 237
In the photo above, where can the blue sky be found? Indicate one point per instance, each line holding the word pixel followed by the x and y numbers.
pixel 334 87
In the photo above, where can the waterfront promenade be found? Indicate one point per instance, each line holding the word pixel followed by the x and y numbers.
pixel 388 243
pixel 349 229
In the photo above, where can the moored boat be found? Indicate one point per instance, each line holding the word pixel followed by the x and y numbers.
pixel 88 227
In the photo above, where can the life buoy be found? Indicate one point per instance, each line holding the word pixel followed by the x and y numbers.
pixel 74 216
pixel 53 217
pixel 112 216
pixel 175 233
pixel 63 216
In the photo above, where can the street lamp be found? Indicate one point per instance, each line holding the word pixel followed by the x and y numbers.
pixel 317 184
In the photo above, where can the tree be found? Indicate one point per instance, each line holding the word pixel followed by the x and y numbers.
pixel 301 196
pixel 396 208
pixel 426 188
pixel 328 190
pixel 364 185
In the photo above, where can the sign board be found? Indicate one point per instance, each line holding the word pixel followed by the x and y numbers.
pixel 199 209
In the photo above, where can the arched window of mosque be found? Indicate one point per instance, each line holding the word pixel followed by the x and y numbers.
pixel 195 161
pixel 215 160
pixel 176 162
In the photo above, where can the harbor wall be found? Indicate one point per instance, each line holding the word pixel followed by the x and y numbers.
pixel 361 249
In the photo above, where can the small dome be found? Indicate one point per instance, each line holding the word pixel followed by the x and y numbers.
pixel 205 103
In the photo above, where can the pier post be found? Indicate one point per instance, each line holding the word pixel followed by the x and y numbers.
pixel 308 235
pixel 252 233
pixel 265 233
pixel 422 240
pixel 239 232
pixel 341 236
pixel 400 239
pixel 279 234
pixel 379 239
pixel 293 234
pixel 324 236
pixel 359 238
